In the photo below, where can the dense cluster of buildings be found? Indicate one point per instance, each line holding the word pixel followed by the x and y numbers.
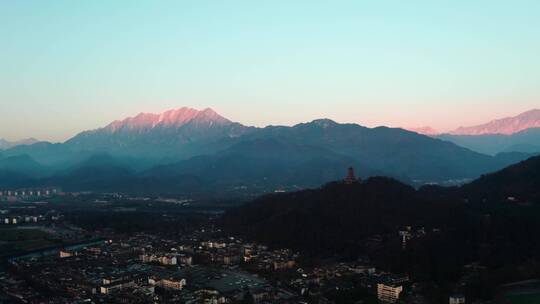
pixel 193 269
pixel 144 268
pixel 21 217
pixel 27 194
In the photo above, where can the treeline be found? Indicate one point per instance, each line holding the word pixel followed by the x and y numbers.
pixel 347 221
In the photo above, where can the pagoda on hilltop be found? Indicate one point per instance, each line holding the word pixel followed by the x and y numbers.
pixel 350 178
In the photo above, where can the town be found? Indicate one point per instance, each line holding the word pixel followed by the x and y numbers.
pixel 195 268
pixel 197 264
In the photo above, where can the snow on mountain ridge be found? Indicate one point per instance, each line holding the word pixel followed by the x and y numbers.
pixel 170 118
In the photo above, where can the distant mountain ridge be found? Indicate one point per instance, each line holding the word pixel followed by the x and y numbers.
pixel 171 118
pixel 178 134
pixel 525 141
pixel 507 126
pixel 201 151
pixel 424 130
pixel 520 133
pixel 5 144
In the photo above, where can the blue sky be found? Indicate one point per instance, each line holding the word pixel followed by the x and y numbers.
pixel 67 66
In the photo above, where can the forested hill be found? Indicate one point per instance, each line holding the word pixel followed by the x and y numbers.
pixel 338 215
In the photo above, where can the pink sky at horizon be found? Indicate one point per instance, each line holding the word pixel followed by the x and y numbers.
pixel 398 119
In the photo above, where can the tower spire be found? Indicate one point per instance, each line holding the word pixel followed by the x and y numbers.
pixel 350 178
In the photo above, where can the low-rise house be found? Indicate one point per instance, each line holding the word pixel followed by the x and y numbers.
pixel 388 293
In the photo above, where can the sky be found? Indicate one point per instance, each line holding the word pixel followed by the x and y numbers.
pixel 69 66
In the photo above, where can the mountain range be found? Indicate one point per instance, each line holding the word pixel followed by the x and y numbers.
pixel 527 141
pixel 520 133
pixel 175 134
pixel 5 144
pixel 503 126
pixel 200 152
pixel 426 130
pixel 507 125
